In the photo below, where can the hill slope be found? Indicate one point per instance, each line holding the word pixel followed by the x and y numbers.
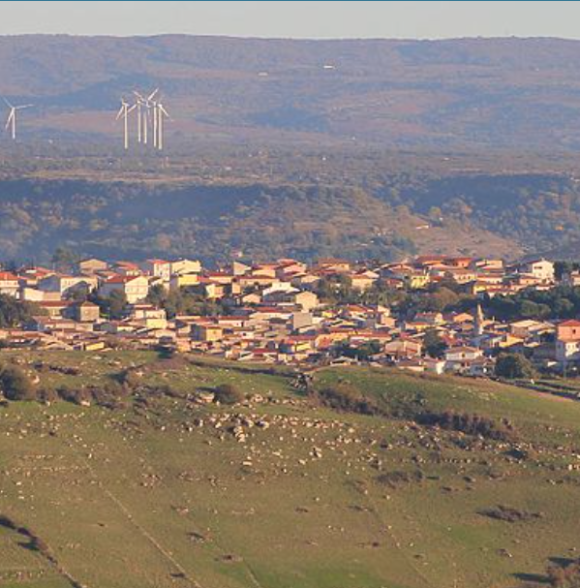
pixel 157 491
pixel 516 93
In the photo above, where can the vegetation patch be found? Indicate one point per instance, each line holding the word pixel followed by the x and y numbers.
pixel 565 575
pixel 346 398
pixel 399 478
pixel 228 394
pixel 510 515
pixel 470 424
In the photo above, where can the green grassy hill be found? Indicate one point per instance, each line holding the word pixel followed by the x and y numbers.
pixel 281 491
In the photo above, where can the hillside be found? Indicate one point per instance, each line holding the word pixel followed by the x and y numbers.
pixel 306 205
pixel 466 93
pixel 141 486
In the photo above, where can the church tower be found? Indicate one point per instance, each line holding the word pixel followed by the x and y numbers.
pixel 478 319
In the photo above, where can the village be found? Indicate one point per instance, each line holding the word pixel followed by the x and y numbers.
pixel 276 315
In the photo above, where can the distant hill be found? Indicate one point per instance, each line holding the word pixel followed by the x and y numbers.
pixel 466 93
pixel 387 218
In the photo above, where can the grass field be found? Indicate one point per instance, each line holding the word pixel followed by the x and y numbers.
pixel 159 492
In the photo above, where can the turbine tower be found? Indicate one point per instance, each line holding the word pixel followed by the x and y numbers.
pixel 11 121
pixel 161 112
pixel 124 114
pixel 144 105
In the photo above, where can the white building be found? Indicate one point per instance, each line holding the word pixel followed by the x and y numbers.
pixel 135 288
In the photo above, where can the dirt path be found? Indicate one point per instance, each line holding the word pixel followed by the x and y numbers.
pixel 128 515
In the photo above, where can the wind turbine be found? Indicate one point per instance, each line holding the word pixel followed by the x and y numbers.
pixel 124 114
pixel 11 121
pixel 144 104
pixel 161 112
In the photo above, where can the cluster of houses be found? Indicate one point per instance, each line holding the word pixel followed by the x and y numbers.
pixel 275 316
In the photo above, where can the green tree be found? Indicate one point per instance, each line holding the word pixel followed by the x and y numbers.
pixel 434 344
pixel 514 365
pixel 112 306
pixel 64 259
pixel 15 312
pixel 15 384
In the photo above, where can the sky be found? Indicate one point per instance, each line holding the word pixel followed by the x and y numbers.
pixel 298 19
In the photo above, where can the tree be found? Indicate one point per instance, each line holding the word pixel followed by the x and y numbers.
pixel 15 384
pixel 434 344
pixel 112 306
pixel 15 312
pixel 64 259
pixel 514 365
pixel 441 299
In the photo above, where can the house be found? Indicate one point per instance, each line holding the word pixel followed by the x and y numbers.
pixel 571 279
pixel 135 288
pixel 149 316
pixel 185 266
pixel 67 285
pixel 339 266
pixel 416 280
pixel 434 365
pixel 459 262
pixel 568 341
pixel 85 312
pixel 542 269
pixel 307 301
pixel 127 268
pixel 206 332
pixel 403 349
pixel 239 269
pixel 9 284
pixel 431 318
pixel 530 328
pixel 362 281
pixel 183 281
pixel 91 266
pixel 54 308
pixel 459 359
pixel 158 268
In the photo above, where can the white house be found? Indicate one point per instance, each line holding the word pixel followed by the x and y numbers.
pixel 9 284
pixel 135 288
pixel 459 359
pixel 541 269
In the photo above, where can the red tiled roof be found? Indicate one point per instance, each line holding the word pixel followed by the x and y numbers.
pixel 8 277
pixel 120 279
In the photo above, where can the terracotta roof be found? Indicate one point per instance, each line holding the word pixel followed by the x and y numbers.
pixel 121 279
pixel 8 277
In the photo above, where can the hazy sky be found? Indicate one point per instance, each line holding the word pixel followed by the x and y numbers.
pixel 295 19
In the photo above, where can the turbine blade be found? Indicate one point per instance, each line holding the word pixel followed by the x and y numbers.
pixel 152 95
pixel 120 113
pixel 10 117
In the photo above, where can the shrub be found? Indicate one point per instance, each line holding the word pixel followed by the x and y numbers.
pixel 470 424
pixel 347 398
pixel 398 478
pixel 564 576
pixel 47 395
pixel 15 384
pixel 510 515
pixel 228 394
